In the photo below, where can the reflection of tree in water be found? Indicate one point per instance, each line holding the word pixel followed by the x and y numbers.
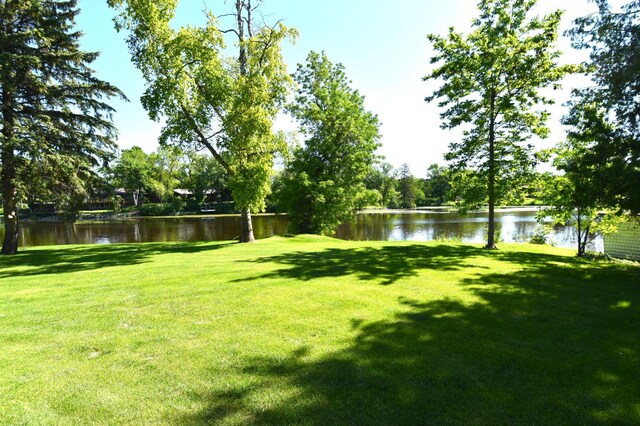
pixel 375 227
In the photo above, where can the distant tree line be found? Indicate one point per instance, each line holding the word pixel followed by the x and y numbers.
pixel 218 105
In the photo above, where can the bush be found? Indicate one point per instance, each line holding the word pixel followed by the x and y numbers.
pixel 192 205
pixel 157 209
pixel 541 236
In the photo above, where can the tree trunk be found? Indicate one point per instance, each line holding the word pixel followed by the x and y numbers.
pixel 9 187
pixel 491 243
pixel 580 245
pixel 10 244
pixel 246 227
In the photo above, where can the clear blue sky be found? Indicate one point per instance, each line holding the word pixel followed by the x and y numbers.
pixel 382 44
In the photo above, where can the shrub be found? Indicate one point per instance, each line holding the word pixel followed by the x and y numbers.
pixel 156 209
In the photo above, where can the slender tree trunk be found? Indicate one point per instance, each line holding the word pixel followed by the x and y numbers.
pixel 246 227
pixel 491 244
pixel 246 233
pixel 9 187
pixel 580 247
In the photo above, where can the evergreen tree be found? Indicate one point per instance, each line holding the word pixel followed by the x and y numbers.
pixel 53 108
pixel 409 188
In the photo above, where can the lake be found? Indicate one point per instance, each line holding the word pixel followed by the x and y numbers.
pixel 513 225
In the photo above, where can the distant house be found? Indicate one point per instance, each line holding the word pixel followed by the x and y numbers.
pixel 624 244
pixel 42 208
pixel 209 194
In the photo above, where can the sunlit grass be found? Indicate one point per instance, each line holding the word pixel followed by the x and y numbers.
pixel 315 330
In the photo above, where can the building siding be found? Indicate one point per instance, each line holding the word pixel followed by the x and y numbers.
pixel 624 244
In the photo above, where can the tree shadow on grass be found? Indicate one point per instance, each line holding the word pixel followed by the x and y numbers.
pixel 391 263
pixel 386 264
pixel 64 259
pixel 549 345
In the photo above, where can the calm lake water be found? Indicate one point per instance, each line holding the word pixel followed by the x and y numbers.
pixel 513 225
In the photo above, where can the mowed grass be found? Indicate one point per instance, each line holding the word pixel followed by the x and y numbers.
pixel 312 330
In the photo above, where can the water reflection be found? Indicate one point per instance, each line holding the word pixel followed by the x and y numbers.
pixel 512 226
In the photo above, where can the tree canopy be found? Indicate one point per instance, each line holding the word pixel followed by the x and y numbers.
pixel 491 81
pixel 55 116
pixel 605 117
pixel 324 183
pixel 207 98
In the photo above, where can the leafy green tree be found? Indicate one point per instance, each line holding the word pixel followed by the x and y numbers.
pixel 134 172
pixel 573 199
pixel 202 173
pixel 408 187
pixel 54 109
pixel 437 185
pixel 324 183
pixel 491 81
pixel 211 100
pixel 382 178
pixel 606 115
pixel 167 168
pixel 66 181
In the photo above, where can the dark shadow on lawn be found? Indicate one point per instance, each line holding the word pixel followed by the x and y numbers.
pixel 63 259
pixel 386 264
pixel 389 264
pixel 550 345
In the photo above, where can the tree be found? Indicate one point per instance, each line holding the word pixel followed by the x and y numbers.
pixel 208 100
pixel 68 181
pixel 408 187
pixel 133 171
pixel 491 82
pixel 382 178
pixel 437 185
pixel 324 183
pixel 201 173
pixel 606 115
pixel 53 108
pixel 167 168
pixel 573 199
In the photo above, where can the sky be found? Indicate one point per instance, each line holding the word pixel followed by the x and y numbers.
pixel 382 45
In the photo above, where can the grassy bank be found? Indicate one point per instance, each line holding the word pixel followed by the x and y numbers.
pixel 313 330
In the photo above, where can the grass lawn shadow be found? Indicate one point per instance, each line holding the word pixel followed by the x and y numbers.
pixel 385 265
pixel 64 259
pixel 557 343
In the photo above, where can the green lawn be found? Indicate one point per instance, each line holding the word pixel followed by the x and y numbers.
pixel 317 331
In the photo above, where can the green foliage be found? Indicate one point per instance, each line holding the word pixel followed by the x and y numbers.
pixel 161 209
pixel 491 81
pixel 66 181
pixel 134 171
pixel 382 179
pixel 540 236
pixel 409 188
pixel 117 202
pixel 201 173
pixel 225 104
pixel 323 185
pixel 167 168
pixel 606 116
pixel 437 185
pixel 54 110
pixel 573 199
